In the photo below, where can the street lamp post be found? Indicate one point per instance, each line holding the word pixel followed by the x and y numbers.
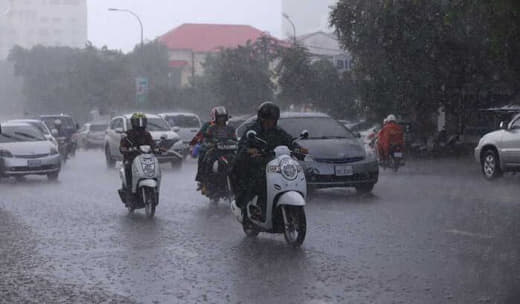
pixel 136 16
pixel 292 24
pixel 141 82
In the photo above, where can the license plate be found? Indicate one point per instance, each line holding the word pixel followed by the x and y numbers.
pixel 398 154
pixel 344 171
pixel 34 163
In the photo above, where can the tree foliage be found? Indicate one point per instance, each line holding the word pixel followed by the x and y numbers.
pixel 411 56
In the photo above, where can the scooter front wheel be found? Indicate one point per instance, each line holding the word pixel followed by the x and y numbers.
pixel 295 225
pixel 249 229
pixel 149 200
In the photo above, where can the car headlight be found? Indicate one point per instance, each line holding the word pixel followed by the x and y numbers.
pixel 5 153
pixel 54 151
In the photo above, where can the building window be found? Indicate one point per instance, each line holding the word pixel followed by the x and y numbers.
pixel 347 64
pixel 340 64
pixel 56 20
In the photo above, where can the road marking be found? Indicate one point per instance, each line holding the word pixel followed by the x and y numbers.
pixel 469 234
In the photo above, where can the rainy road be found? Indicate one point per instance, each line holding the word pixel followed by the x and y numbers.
pixel 434 233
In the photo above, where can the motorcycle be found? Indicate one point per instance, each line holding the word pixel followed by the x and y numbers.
pixel 146 182
pixel 395 158
pixel 218 184
pixel 285 199
pixel 63 148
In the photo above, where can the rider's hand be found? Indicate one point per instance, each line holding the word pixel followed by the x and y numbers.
pixel 303 151
pixel 253 152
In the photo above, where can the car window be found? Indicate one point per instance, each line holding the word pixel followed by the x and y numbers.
pixel 155 124
pixel 516 124
pixel 116 123
pixel 318 127
pixel 98 128
pixel 183 121
pixel 20 134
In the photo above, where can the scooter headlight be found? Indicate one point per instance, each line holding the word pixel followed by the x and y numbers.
pixel 148 167
pixel 289 169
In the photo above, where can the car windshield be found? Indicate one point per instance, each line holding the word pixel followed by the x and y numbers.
pixel 156 124
pixel 66 122
pixel 98 127
pixel 20 134
pixel 318 127
pixel 183 121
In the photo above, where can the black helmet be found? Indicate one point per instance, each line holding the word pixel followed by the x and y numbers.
pixel 138 121
pixel 268 110
pixel 220 112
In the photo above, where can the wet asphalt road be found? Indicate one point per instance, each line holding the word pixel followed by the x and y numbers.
pixel 436 232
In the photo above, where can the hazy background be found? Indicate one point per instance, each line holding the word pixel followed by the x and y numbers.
pixel 119 30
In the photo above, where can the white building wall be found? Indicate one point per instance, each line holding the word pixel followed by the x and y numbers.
pixel 47 22
pixel 308 16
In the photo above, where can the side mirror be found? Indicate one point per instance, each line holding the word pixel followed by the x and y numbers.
pixel 164 137
pixel 54 132
pixel 304 134
pixel 357 134
pixel 119 130
pixel 176 129
pixel 503 125
pixel 251 135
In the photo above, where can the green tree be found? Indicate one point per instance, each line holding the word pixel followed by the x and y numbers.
pixel 240 78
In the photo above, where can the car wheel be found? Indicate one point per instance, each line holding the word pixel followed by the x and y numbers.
pixel 176 164
pixel 53 176
pixel 365 188
pixel 111 163
pixel 491 165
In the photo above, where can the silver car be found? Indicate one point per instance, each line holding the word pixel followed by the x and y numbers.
pixel 40 125
pixel 499 151
pixel 185 124
pixel 159 129
pixel 25 151
pixel 337 158
pixel 92 135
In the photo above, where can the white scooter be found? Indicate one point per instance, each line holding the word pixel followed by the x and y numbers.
pixel 146 182
pixel 285 199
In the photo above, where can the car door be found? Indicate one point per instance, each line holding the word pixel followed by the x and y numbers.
pixel 510 144
pixel 115 136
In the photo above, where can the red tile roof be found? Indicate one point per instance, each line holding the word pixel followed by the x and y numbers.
pixel 209 37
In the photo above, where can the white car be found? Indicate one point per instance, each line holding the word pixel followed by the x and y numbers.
pixel 159 129
pixel 25 151
pixel 92 135
pixel 185 124
pixel 499 151
pixel 40 125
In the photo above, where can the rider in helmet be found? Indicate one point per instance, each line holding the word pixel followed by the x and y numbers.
pixel 135 137
pixel 249 168
pixel 390 135
pixel 218 131
pixel 198 140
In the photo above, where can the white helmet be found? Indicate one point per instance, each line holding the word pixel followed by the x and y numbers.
pixel 391 118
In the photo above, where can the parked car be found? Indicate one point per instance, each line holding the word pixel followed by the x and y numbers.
pixel 499 151
pixel 184 124
pixel 92 135
pixel 161 133
pixel 336 157
pixel 40 125
pixel 25 151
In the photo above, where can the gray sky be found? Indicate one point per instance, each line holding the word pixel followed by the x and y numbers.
pixel 121 31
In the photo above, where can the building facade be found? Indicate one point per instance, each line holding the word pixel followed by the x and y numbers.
pixel 308 16
pixel 47 22
pixel 190 44
pixel 323 45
